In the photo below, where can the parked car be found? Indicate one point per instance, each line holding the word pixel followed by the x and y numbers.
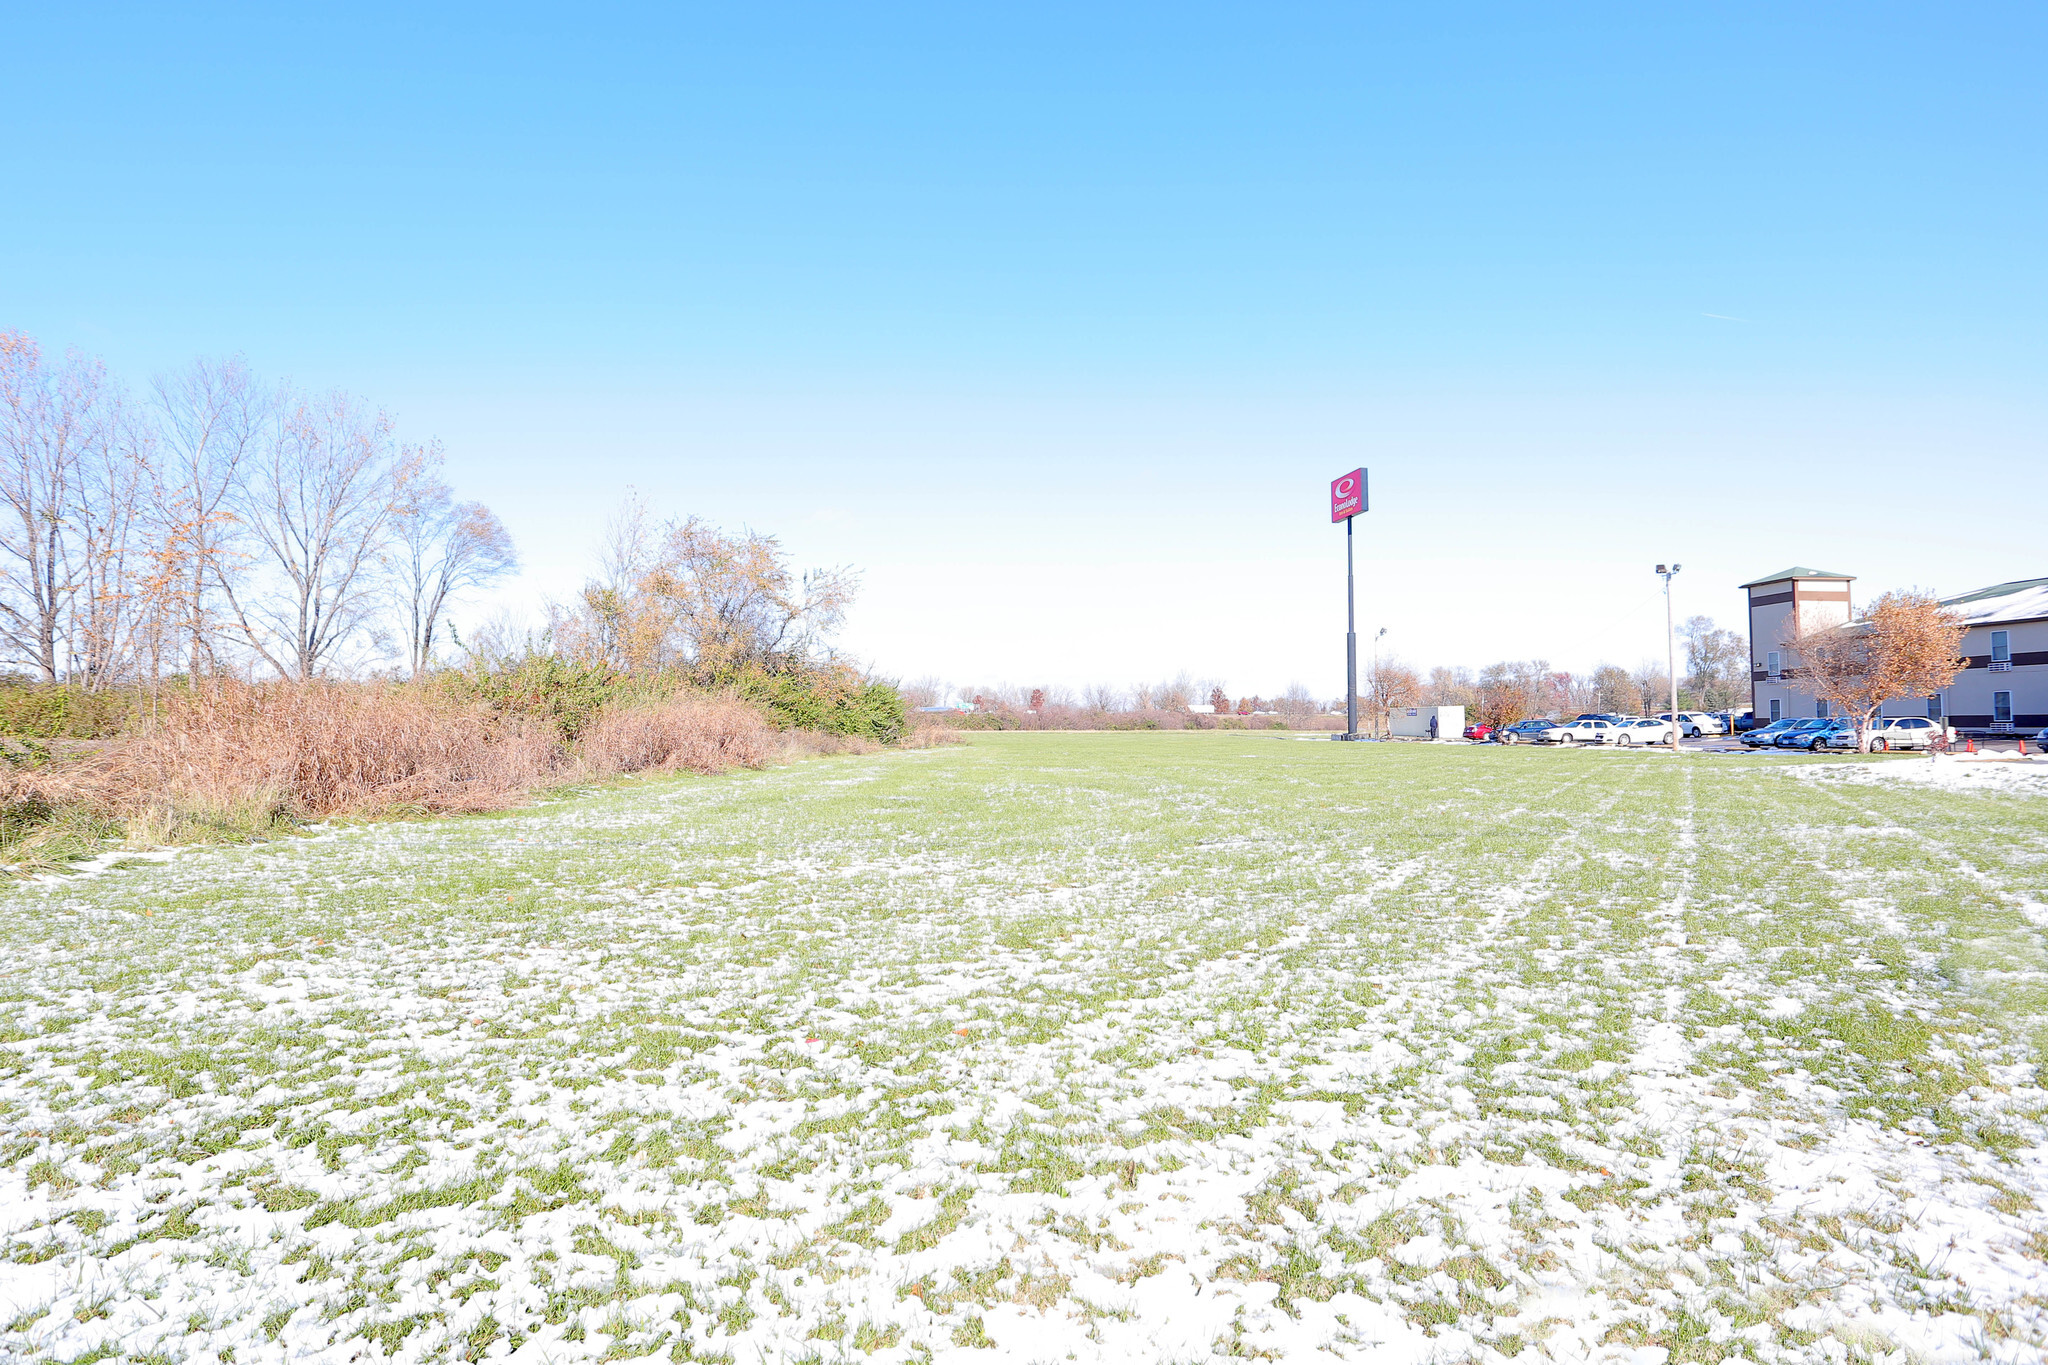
pixel 1582 731
pixel 1842 735
pixel 1908 732
pixel 1476 730
pixel 1802 734
pixel 1697 723
pixel 1524 731
pixel 1610 717
pixel 1764 736
pixel 1737 722
pixel 1643 732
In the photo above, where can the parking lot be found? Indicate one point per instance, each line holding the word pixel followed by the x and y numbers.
pixel 1732 744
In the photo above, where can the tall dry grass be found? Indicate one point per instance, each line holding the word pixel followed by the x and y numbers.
pixel 682 733
pixel 230 759
pixel 318 749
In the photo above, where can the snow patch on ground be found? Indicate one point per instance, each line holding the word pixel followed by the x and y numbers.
pixel 778 1067
pixel 1950 772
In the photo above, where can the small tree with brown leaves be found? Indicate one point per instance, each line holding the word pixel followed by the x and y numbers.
pixel 1388 683
pixel 1513 690
pixel 1905 645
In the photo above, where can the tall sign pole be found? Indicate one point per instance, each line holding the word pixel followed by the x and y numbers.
pixel 1350 640
pixel 1347 500
pixel 1671 649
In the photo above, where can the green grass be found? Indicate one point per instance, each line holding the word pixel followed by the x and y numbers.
pixel 1138 1046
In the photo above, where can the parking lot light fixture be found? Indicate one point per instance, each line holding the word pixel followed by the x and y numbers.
pixel 1671 648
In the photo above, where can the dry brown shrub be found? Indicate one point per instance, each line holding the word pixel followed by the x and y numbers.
pixel 234 760
pixel 928 735
pixel 319 749
pixel 796 744
pixel 690 733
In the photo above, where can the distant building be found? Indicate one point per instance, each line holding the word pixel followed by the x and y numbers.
pixel 2004 689
pixel 1781 605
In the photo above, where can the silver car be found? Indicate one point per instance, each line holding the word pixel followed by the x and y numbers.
pixel 1764 736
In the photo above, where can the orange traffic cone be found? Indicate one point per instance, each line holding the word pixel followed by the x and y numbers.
pixel 1969 745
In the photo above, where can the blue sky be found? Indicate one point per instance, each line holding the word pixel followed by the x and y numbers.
pixel 1057 323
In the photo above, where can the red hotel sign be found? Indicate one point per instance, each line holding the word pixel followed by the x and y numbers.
pixel 1347 496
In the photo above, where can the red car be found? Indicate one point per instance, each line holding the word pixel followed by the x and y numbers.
pixel 1478 731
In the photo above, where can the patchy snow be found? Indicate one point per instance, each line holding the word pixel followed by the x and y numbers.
pixel 1416 1054
pixel 1952 772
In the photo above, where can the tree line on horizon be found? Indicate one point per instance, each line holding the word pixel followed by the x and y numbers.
pixel 1715 677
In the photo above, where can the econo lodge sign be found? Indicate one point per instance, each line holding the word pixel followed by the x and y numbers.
pixel 1347 495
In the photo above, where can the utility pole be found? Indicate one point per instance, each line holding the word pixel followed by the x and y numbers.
pixel 1671 649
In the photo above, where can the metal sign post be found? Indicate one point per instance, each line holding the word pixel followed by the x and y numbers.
pixel 1347 500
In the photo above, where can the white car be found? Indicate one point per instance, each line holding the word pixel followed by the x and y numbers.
pixel 1579 732
pixel 1693 724
pixel 1907 732
pixel 1643 732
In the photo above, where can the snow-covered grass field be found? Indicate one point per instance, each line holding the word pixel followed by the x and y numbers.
pixel 1053 1047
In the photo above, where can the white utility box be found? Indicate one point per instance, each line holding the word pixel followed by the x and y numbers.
pixel 1412 722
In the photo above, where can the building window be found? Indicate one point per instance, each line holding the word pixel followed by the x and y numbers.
pixel 1771 663
pixel 1934 707
pixel 1774 709
pixel 2001 708
pixel 2001 646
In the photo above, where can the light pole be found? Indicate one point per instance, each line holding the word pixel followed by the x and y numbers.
pixel 1671 648
pixel 1374 681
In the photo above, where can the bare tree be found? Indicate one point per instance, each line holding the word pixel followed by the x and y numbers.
pixel 317 498
pixel 500 638
pixel 117 604
pixel 1652 686
pixel 1613 690
pixel 70 461
pixel 925 691
pixel 1716 663
pixel 1297 703
pixel 1450 687
pixel 439 547
pixel 1175 695
pixel 1102 697
pixel 1904 645
pixel 213 417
